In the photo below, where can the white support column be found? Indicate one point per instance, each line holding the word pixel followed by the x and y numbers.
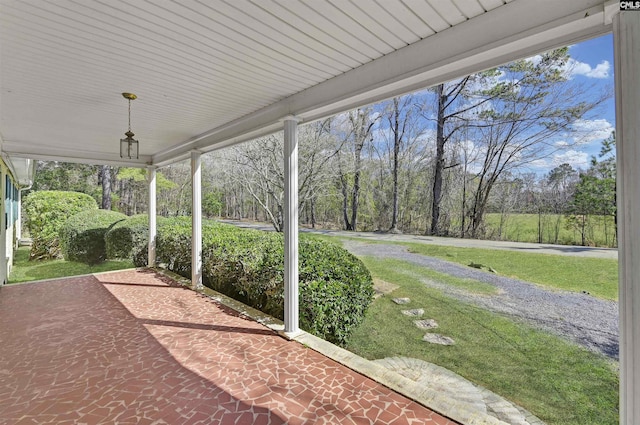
pixel 151 180
pixel 291 308
pixel 4 270
pixel 196 221
pixel 19 218
pixel 626 31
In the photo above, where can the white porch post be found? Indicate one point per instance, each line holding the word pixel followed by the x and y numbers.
pixel 4 270
pixel 291 321
pixel 196 221
pixel 151 180
pixel 19 218
pixel 626 31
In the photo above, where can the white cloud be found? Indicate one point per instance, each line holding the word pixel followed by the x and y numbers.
pixel 577 159
pixel 593 125
pixel 587 131
pixel 560 144
pixel 575 67
pixel 600 71
pixel 539 164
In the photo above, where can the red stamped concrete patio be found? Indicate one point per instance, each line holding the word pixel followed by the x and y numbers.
pixel 133 347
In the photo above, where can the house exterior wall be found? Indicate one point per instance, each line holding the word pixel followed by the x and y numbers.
pixel 9 214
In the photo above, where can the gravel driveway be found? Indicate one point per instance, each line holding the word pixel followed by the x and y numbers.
pixel 586 320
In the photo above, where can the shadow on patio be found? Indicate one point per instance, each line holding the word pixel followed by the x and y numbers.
pixel 134 347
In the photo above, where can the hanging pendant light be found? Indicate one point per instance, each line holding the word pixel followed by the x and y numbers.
pixel 129 146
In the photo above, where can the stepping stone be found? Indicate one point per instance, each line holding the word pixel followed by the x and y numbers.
pixel 438 339
pixel 402 300
pixel 426 324
pixel 382 287
pixel 416 312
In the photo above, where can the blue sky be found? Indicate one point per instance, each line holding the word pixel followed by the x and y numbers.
pixel 594 65
pixel 591 65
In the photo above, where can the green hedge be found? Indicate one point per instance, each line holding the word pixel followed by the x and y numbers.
pixel 46 212
pixel 82 237
pixel 335 287
pixel 129 238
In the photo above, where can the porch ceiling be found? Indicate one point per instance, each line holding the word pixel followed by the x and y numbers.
pixel 210 74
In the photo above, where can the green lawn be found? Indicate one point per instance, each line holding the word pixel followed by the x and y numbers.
pixel 469 285
pixel 25 270
pixel 524 228
pixel 598 276
pixel 559 382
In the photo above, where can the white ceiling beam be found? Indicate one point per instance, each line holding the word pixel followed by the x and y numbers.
pixel 489 40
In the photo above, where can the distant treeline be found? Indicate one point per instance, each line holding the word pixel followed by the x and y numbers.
pixel 435 162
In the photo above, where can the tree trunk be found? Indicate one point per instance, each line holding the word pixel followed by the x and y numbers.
pixel 480 203
pixel 129 198
pixel 539 225
pixel 106 187
pixel 439 162
pixel 345 202
pixel 355 194
pixel 397 139
pixel 464 201
pixel 355 199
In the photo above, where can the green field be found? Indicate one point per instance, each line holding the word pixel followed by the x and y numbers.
pixel 597 276
pixel 553 228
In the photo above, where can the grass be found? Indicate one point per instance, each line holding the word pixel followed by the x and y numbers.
pixel 524 228
pixel 559 382
pixel 26 271
pixel 598 276
pixel 468 285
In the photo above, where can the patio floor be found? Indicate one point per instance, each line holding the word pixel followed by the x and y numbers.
pixel 133 347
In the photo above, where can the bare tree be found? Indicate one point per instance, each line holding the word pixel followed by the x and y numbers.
pixel 455 104
pixel 316 149
pixel 258 167
pixel 356 131
pixel 445 98
pixel 531 102
pixel 403 128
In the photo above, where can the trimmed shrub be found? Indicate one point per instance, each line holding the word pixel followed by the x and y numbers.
pixel 82 237
pixel 335 286
pixel 173 246
pixel 129 238
pixel 46 212
pixel 247 265
pixel 335 291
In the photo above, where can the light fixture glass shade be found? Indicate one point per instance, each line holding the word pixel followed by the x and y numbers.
pixel 129 146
